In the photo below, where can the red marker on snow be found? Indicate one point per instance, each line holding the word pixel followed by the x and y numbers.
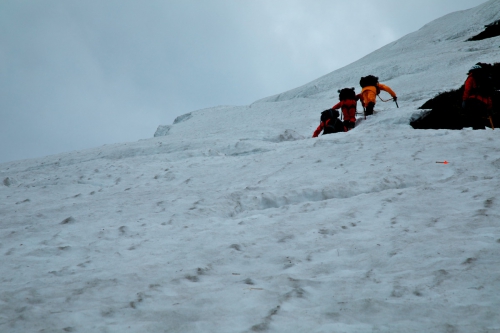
pixel 445 162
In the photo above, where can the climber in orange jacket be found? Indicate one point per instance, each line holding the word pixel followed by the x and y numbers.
pixel 370 89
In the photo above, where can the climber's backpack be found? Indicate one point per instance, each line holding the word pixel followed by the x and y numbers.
pixel 370 80
pixel 346 93
pixel 484 82
pixel 334 124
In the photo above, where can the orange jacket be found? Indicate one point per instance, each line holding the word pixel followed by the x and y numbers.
pixel 348 108
pixel 470 85
pixel 369 94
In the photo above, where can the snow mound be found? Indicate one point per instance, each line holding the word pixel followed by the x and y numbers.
pixel 287 135
pixel 162 130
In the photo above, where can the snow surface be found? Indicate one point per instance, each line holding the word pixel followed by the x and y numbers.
pixel 234 219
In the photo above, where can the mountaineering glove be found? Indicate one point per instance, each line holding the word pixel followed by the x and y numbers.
pixel 395 98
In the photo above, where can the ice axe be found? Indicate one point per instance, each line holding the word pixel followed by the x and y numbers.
pixel 491 122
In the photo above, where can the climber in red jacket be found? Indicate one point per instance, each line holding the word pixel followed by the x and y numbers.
pixel 477 102
pixel 348 104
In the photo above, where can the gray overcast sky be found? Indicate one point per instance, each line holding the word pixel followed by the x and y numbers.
pixel 79 74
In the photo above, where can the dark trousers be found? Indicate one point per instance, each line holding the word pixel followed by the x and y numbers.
pixel 369 109
pixel 349 125
pixel 475 111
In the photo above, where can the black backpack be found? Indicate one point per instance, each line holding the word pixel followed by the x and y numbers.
pixel 329 114
pixel 369 80
pixel 346 93
pixel 335 125
pixel 484 82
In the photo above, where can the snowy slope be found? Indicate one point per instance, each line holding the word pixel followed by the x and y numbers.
pixel 413 62
pixel 234 220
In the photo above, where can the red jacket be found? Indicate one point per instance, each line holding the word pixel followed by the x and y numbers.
pixel 348 107
pixel 321 126
pixel 470 85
